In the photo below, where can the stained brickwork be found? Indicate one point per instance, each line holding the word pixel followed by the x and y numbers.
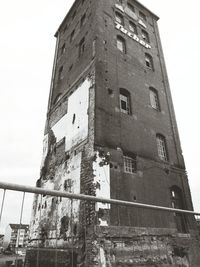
pixel 90 133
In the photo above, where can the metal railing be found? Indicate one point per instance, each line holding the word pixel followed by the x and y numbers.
pixel 62 231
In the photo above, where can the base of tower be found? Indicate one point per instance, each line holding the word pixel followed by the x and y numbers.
pixel 44 257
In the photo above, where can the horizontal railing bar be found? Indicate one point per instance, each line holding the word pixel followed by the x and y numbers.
pixel 37 190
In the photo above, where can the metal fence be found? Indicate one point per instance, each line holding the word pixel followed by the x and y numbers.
pixel 63 226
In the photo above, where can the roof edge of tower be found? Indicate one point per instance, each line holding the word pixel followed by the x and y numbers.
pixel 56 34
pixel 156 16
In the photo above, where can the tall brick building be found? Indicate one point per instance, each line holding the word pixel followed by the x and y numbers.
pixel 111 132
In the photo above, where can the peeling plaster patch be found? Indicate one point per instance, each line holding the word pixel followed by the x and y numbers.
pixel 102 257
pixel 102 223
pixel 74 131
pixel 102 179
pixel 45 149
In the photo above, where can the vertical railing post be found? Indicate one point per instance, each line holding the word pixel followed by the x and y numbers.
pixel 19 230
pixel 39 228
pixel 2 204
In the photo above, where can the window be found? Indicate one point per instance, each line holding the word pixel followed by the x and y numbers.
pixel 132 27
pixel 63 49
pixel 82 46
pixel 145 36
pixel 149 61
pixel 142 15
pixel 83 20
pixel 125 106
pixel 131 8
pixel 121 45
pixel 72 36
pixel 119 18
pixel 130 164
pixel 177 203
pixel 154 100
pixel 162 147
pixel 60 73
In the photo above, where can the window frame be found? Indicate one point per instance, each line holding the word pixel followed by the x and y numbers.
pixel 154 98
pixel 63 49
pixel 145 36
pixel 142 16
pixel 162 147
pixel 129 164
pixel 81 47
pixel 149 60
pixel 123 44
pixel 72 36
pixel 177 202
pixel 121 18
pixel 134 26
pixel 60 73
pixel 131 7
pixel 125 96
pixel 83 20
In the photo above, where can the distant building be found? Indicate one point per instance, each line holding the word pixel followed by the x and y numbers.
pixel 1 240
pixel 16 236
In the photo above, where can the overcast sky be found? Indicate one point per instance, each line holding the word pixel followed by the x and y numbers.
pixel 26 57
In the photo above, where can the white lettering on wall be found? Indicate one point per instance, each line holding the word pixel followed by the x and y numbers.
pixel 131 35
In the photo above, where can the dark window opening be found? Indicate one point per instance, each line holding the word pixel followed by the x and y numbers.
pixel 132 27
pixel 149 61
pixel 177 203
pixel 63 49
pixel 74 118
pixel 162 147
pixel 121 44
pixel 125 105
pixel 81 47
pixel 70 67
pixel 145 36
pixel 131 7
pixel 154 99
pixel 83 20
pixel 60 73
pixel 119 18
pixel 72 36
pixel 142 15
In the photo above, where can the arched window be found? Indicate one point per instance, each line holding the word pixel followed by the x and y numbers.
pixel 131 7
pixel 149 61
pixel 177 203
pixel 162 147
pixel 60 73
pixel 154 99
pixel 82 46
pixel 132 27
pixel 119 18
pixel 121 44
pixel 142 15
pixel 125 101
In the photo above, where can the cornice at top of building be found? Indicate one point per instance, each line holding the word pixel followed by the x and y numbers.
pixel 143 6
pixel 63 21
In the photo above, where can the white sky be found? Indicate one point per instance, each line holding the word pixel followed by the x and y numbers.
pixel 26 57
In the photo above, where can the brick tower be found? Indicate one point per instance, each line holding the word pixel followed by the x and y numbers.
pixel 111 132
